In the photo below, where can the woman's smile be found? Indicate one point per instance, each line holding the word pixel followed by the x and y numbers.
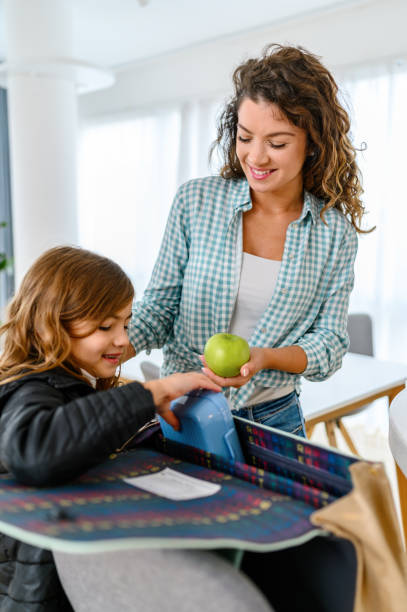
pixel 260 175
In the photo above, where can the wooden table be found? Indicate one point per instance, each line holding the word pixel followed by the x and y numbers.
pixel 360 381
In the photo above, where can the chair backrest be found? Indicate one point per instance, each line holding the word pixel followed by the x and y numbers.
pixel 150 370
pixel 360 330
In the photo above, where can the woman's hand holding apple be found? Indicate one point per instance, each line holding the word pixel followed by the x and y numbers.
pixel 248 369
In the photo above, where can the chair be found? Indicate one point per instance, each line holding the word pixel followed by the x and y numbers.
pixel 398 447
pixel 150 370
pixel 360 330
pixel 160 580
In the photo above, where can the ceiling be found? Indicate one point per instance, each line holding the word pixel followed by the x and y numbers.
pixel 113 33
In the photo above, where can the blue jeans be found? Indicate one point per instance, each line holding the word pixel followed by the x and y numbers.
pixel 282 413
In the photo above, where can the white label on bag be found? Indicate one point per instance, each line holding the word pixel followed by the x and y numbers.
pixel 174 485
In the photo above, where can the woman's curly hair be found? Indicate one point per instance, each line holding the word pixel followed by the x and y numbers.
pixel 306 92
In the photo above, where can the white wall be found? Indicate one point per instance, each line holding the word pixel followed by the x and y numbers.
pixel 372 30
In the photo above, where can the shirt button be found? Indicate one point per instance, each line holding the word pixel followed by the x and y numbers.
pixel 263 330
pixel 284 290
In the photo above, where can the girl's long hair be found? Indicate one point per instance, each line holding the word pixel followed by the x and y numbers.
pixel 306 93
pixel 65 285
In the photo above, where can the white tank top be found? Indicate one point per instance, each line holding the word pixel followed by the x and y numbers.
pixel 258 278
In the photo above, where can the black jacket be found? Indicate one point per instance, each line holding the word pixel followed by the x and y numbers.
pixel 54 427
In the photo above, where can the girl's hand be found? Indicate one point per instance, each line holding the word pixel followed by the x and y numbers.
pixel 255 364
pixel 166 389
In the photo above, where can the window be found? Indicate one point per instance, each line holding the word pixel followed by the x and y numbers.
pixel 6 243
pixel 129 170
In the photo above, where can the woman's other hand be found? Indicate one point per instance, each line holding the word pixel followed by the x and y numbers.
pixel 167 389
pixel 248 369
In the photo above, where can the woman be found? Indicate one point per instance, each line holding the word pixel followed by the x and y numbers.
pixel 265 250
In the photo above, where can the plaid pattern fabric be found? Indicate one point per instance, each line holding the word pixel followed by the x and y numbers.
pixel 194 284
pixel 100 511
pixel 264 504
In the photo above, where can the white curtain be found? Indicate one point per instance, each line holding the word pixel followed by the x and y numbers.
pixel 129 170
pixel 377 96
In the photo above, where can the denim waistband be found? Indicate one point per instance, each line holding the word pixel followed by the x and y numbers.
pixel 275 403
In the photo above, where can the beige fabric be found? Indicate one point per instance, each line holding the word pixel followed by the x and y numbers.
pixel 367 517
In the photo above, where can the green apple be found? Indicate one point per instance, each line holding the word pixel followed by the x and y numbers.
pixel 226 353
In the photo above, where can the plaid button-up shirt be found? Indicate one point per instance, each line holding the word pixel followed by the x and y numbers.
pixel 194 284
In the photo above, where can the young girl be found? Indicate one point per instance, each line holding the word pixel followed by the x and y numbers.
pixel 65 337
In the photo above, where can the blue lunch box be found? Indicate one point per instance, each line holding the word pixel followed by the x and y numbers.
pixel 206 423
